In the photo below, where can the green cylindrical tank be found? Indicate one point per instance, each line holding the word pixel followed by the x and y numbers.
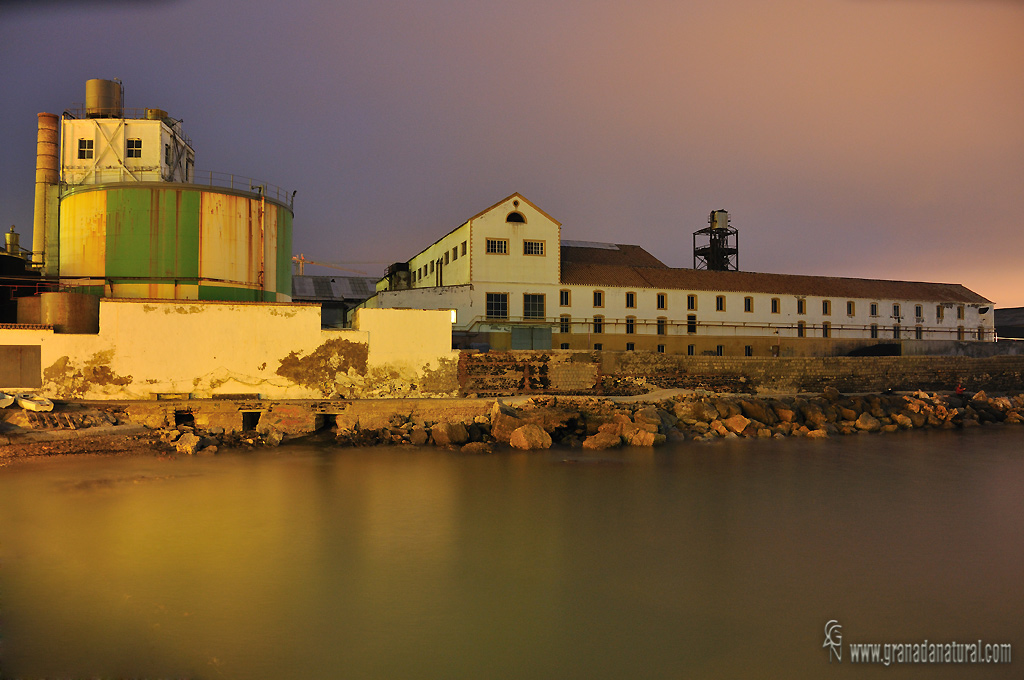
pixel 175 241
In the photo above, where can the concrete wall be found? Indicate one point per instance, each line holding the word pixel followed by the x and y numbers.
pixel 276 351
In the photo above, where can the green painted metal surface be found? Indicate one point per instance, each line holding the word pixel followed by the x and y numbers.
pixel 284 252
pixel 152 233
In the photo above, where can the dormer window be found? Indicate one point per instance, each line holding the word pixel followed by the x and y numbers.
pixel 515 216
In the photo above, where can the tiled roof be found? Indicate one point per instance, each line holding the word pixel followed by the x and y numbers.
pixel 333 287
pixel 666 278
pixel 608 254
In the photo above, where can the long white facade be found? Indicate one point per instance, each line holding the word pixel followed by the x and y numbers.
pixel 506 271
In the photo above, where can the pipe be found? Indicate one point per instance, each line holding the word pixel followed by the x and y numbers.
pixel 46 201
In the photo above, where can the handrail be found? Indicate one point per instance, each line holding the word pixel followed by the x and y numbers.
pixel 211 178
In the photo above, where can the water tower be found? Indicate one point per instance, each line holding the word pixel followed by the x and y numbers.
pixel 718 249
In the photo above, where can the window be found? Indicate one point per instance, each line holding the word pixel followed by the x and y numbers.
pixel 431 266
pixel 801 329
pixel 630 346
pixel 919 312
pixel 533 247
pixel 497 246
pixel 599 298
pixel 981 332
pixel 455 253
pixel 563 298
pixel 874 309
pixel 719 350
pixel 691 302
pixel 826 329
pixel 630 300
pixel 662 301
pixel 874 331
pixel 598 346
pixel 564 345
pixel 661 349
pixel 960 312
pixel 564 324
pixel 895 311
pixel 446 257
pixel 85 148
pixel 775 305
pixel 133 148
pixel 748 304
pixel 851 308
pixel 533 306
pixel 801 306
pixel 662 325
pixel 748 351
pixel 826 308
pixel 938 313
pixel 691 350
pixel 497 305
pixel 959 332
pixel 691 323
pixel 896 331
pixel 720 303
pixel 516 217
pixel 599 324
pixel 918 333
pixel 463 247
pixel 167 154
pixel 630 325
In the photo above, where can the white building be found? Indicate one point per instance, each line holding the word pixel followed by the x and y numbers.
pixel 514 284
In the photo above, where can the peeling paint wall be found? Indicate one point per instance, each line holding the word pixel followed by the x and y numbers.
pixel 275 351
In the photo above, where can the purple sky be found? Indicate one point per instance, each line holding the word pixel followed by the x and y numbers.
pixel 869 138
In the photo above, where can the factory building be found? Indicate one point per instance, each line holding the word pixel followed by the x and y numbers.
pixel 513 283
pixel 120 211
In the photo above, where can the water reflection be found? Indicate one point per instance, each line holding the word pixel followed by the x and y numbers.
pixel 704 561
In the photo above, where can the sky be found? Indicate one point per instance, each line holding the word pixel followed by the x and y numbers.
pixel 863 138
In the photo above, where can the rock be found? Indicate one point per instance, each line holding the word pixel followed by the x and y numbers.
pixel 208 451
pixel 648 415
pixel 727 409
pixel 846 413
pixel 476 448
pixel 831 393
pixel 784 414
pixel 697 410
pixel 814 415
pixel 446 434
pixel 418 435
pixel 602 440
pixel 274 438
pixel 817 434
pixel 187 444
pixel 736 423
pixel 868 423
pixel 530 437
pixel 756 410
pixel 892 427
pixel 642 438
pixel 902 421
pixel 718 428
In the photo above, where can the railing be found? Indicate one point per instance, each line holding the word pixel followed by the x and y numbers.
pixel 681 327
pixel 127 113
pixel 223 180
pixel 227 180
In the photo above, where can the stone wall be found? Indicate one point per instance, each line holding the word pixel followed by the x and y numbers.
pixel 526 372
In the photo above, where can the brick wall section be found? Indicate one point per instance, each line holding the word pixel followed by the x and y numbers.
pixel 525 372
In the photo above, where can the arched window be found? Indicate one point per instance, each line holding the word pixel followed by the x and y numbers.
pixel 515 217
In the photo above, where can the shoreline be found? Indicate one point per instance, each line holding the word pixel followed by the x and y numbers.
pixel 479 426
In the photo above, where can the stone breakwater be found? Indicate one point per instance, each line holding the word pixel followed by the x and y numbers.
pixel 600 423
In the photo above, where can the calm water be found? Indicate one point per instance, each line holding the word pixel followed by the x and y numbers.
pixel 715 561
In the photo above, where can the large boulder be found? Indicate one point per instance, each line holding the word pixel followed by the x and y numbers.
pixel 868 423
pixel 602 440
pixel 529 437
pixel 701 411
pixel 188 444
pixel 757 410
pixel 446 434
pixel 736 423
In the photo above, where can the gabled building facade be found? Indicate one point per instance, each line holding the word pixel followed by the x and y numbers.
pixel 512 283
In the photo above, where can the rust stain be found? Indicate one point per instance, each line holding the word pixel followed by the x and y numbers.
pixel 320 369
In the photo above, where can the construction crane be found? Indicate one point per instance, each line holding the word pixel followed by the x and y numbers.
pixel 301 260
